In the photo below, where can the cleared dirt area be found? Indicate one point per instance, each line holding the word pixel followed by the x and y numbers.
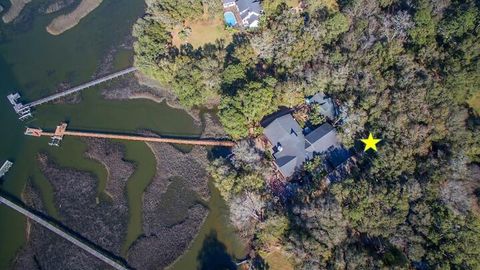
pixel 202 32
pixel 276 260
pixel 474 102
pixel 67 21
pixel 14 10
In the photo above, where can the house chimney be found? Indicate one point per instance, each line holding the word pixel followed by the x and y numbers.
pixel 279 147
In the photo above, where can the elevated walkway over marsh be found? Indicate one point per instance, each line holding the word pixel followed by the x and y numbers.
pixel 24 111
pixel 61 232
pixel 62 131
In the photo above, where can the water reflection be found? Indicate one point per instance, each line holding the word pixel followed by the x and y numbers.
pixel 213 255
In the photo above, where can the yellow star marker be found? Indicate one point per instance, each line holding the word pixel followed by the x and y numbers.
pixel 370 142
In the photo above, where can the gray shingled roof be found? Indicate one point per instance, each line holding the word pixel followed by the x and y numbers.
pixel 249 6
pixel 288 142
pixel 249 10
pixel 282 127
pixel 291 148
pixel 287 164
pixel 327 107
pixel 321 139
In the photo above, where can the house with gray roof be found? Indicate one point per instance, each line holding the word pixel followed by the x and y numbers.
pixel 321 139
pixel 291 147
pixel 245 13
pixel 288 144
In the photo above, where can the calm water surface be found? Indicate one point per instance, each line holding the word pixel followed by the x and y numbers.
pixel 35 64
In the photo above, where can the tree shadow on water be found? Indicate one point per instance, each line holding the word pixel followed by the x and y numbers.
pixel 214 256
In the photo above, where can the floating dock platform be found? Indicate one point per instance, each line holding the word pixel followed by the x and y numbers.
pixel 5 167
pixel 23 111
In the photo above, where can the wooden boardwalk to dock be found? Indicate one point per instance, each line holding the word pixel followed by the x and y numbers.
pixel 24 111
pixel 62 233
pixel 62 131
pixel 80 87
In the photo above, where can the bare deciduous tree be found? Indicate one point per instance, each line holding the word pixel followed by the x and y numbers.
pixel 245 211
pixel 246 156
pixel 396 26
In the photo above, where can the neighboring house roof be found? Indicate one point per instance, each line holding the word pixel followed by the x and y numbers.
pixel 229 3
pixel 291 147
pixel 247 10
pixel 250 11
pixel 327 107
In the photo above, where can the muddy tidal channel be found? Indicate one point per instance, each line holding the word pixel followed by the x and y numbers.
pixel 139 202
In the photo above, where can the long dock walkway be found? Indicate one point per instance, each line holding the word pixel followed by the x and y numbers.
pixel 81 87
pixel 29 214
pixel 24 111
pixel 61 131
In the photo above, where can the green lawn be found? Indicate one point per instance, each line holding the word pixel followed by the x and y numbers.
pixel 203 31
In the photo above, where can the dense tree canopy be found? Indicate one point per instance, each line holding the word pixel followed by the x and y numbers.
pixel 403 70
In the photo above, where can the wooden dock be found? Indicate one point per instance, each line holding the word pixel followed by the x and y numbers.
pixel 62 233
pixel 81 87
pixel 24 111
pixel 62 131
pixel 5 167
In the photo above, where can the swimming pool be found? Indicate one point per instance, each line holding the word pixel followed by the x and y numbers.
pixel 230 18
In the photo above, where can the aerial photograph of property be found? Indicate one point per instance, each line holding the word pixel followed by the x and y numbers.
pixel 240 134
